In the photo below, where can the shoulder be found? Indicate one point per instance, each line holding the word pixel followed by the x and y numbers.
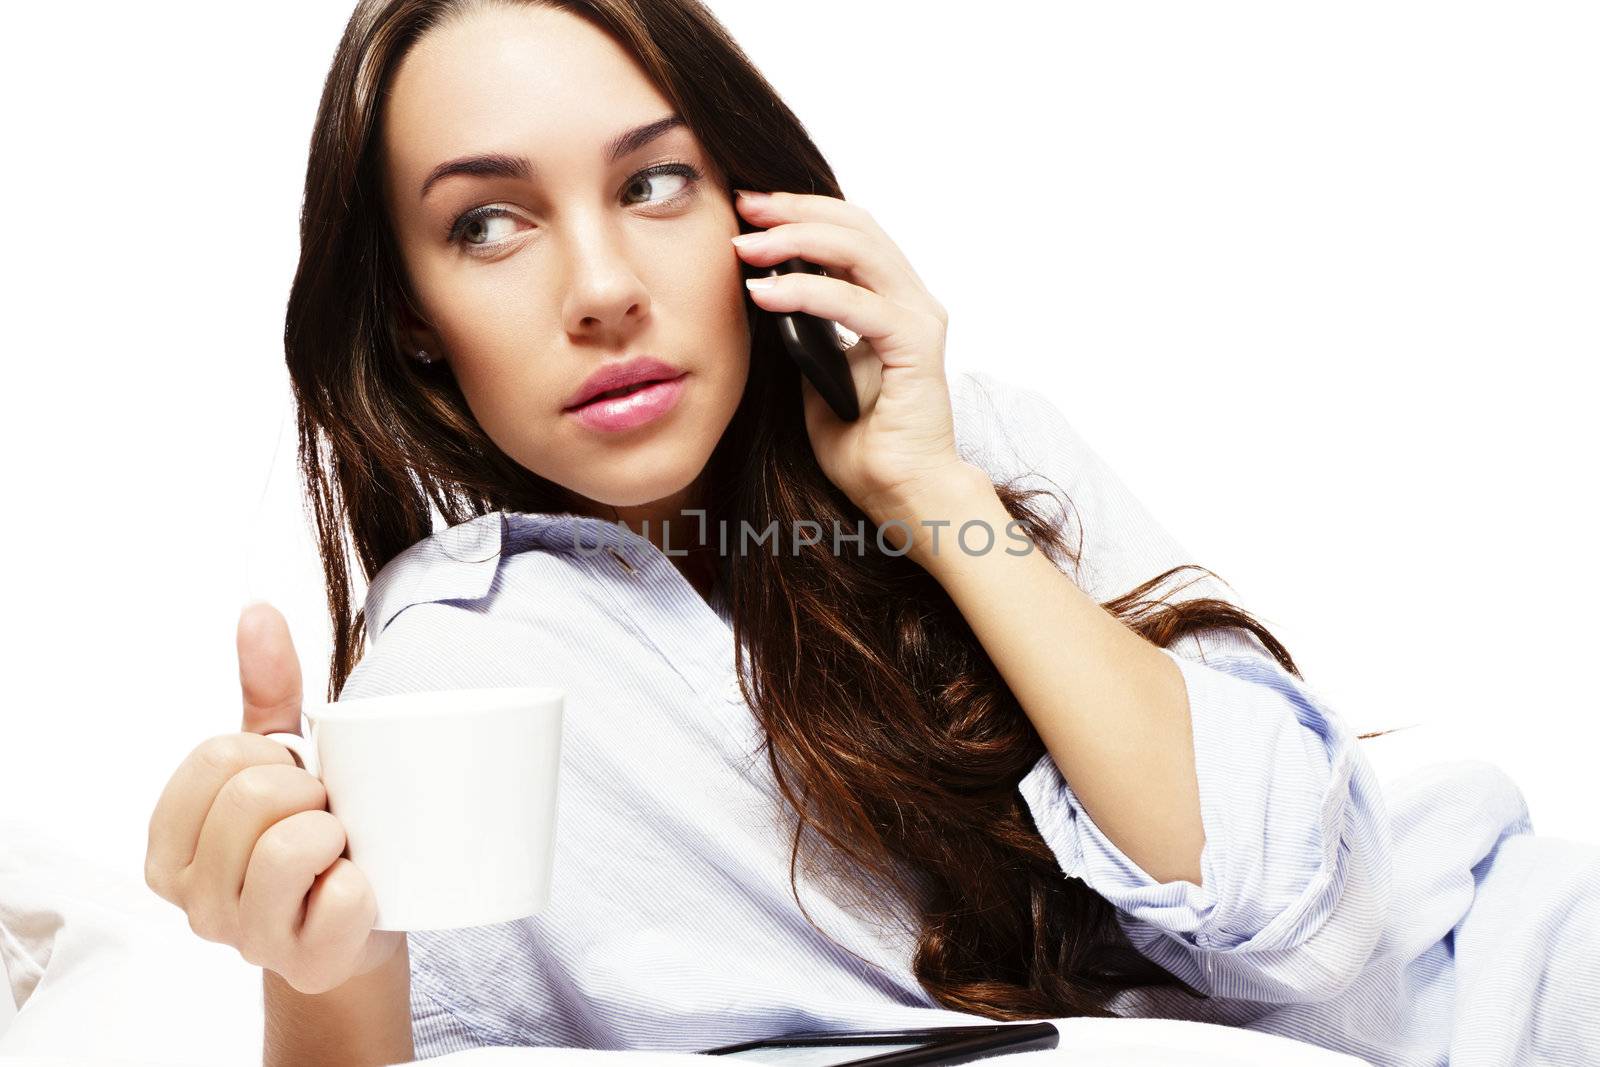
pixel 458 608
pixel 415 622
pixel 1013 429
pixel 1018 434
pixel 483 602
pixel 456 563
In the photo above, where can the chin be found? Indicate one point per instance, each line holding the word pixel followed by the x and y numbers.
pixel 641 492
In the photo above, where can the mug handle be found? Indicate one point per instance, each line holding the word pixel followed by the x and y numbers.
pixel 305 752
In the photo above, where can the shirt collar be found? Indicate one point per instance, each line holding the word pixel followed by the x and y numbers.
pixel 459 562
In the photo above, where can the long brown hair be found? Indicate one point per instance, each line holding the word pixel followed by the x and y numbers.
pixel 891 733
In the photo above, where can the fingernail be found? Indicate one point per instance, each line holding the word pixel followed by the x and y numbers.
pixel 760 283
pixel 749 240
pixel 750 196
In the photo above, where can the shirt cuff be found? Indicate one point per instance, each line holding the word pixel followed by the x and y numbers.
pixel 1273 765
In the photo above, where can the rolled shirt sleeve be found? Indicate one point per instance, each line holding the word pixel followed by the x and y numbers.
pixel 1295 881
pixel 1294 873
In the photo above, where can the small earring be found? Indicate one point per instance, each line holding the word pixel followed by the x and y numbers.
pixel 423 357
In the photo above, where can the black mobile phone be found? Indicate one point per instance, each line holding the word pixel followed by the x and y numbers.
pixel 813 343
pixel 934 1046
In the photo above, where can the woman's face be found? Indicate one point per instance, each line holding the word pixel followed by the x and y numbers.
pixel 533 278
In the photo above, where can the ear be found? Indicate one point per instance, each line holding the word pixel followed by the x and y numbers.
pixel 415 333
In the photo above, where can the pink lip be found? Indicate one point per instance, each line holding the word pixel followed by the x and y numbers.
pixel 636 409
pixel 620 374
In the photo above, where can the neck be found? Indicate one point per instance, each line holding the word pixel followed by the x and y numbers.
pixel 669 525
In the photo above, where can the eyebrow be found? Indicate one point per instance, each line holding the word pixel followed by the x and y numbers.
pixel 501 165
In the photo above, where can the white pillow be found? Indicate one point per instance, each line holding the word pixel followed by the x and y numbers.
pixel 8 1006
pixel 98 966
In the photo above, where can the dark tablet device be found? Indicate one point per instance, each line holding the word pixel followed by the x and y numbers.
pixel 894 1048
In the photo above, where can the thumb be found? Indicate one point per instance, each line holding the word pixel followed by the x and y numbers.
pixel 269 671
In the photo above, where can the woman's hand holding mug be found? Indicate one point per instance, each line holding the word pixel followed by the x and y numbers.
pixel 242 840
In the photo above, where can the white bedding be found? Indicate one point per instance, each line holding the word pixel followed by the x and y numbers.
pixel 102 971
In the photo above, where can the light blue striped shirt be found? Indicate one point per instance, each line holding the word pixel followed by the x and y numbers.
pixel 1421 925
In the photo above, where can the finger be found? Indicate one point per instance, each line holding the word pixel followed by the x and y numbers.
pixel 269 671
pixel 283 866
pixel 188 797
pixel 247 805
pixel 340 911
pixel 842 251
pixel 778 206
pixel 783 206
pixel 899 335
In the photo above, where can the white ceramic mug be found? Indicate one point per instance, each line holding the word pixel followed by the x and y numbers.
pixel 448 798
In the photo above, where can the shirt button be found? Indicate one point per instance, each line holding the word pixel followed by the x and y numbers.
pixel 731 693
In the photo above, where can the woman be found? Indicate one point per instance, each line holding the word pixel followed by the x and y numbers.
pixel 1001 784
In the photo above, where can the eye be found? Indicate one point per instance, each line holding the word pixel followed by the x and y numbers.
pixel 475 228
pixel 477 223
pixel 666 170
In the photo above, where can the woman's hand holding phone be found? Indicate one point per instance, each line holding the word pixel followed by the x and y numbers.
pixel 901 449
pixel 242 841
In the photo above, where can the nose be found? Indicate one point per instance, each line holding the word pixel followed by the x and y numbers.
pixel 606 298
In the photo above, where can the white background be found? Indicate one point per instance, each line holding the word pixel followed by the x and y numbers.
pixel 1319 281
